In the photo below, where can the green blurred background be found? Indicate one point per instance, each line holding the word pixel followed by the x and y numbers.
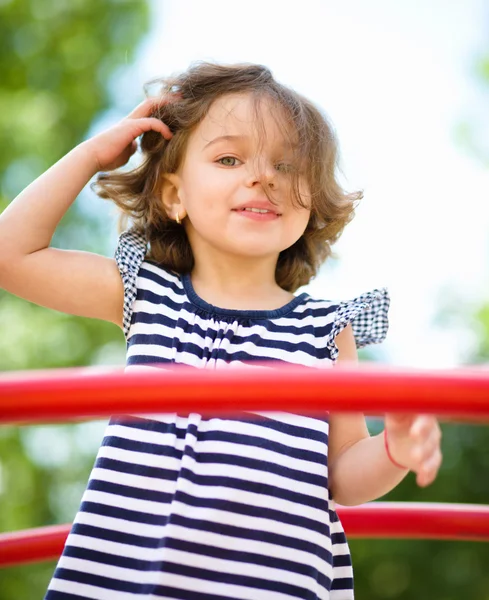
pixel 58 66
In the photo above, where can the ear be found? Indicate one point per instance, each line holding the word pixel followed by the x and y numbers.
pixel 171 196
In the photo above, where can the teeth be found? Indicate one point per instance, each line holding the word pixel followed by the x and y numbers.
pixel 257 210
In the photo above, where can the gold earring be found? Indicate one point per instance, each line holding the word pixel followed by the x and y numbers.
pixel 177 219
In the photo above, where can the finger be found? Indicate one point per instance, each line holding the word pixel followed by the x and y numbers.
pixel 153 124
pixel 427 474
pixel 424 449
pixel 422 426
pixel 396 421
pixel 147 106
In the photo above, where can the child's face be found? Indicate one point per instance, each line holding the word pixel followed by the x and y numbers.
pixel 226 168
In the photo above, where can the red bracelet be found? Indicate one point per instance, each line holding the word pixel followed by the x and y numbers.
pixel 389 454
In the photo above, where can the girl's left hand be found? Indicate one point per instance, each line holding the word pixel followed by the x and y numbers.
pixel 414 442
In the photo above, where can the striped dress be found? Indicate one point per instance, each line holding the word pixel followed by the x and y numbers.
pixel 193 508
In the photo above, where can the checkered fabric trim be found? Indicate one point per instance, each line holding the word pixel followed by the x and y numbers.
pixel 368 316
pixel 129 255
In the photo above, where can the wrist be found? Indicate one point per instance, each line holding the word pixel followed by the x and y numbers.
pixel 86 151
pixel 389 455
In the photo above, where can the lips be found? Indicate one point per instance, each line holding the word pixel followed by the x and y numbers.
pixel 259 206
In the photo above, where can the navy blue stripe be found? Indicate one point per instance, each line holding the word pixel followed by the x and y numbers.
pixel 165 278
pixel 145 447
pixel 243 533
pixel 258 340
pixel 136 469
pixel 255 487
pixel 117 585
pixel 242 439
pixel 298 431
pixel 149 424
pixel 56 595
pixel 263 420
pixel 240 508
pixel 240 580
pixel 110 535
pixel 261 512
pixel 338 538
pixel 237 556
pixel 158 300
pixel 233 531
pixel 315 312
pixel 342 583
pixel 261 465
pixel 212 480
pixel 127 491
pixel 249 558
pixel 146 359
pixel 269 325
pixel 125 514
pixel 341 560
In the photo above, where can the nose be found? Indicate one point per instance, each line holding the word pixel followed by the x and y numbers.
pixel 262 172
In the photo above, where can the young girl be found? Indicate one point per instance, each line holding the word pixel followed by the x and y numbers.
pixel 233 207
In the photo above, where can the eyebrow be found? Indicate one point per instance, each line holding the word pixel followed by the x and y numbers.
pixel 225 138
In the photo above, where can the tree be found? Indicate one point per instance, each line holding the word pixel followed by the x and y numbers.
pixel 57 62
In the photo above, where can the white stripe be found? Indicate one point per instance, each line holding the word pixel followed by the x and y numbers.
pixel 266 455
pixel 89 591
pixel 224 492
pixel 168 579
pixel 143 435
pixel 213 540
pixel 139 458
pixel 192 318
pixel 255 330
pixel 341 572
pixel 209 469
pixel 224 517
pixel 163 273
pixel 144 506
pixel 159 352
pixel 139 482
pixel 120 525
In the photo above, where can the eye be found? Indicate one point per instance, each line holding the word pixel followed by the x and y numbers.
pixel 285 167
pixel 229 161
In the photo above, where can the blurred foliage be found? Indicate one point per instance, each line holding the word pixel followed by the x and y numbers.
pixel 57 61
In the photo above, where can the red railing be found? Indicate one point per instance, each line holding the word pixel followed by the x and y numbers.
pixel 57 395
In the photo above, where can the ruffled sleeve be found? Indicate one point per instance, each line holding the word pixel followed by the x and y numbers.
pixel 130 253
pixel 368 315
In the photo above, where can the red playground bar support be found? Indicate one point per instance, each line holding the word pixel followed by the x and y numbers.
pixel 74 394
pixel 86 393
pixel 394 520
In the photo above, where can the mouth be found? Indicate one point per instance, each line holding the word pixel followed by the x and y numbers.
pixel 259 211
pixel 257 214
pixel 258 206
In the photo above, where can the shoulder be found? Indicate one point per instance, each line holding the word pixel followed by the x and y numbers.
pixel 346 344
pixel 354 323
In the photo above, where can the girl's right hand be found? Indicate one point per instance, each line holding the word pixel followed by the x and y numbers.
pixel 112 148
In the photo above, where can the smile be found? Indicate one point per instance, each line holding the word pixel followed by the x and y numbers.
pixel 257 214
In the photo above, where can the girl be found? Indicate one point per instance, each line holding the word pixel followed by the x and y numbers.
pixel 233 207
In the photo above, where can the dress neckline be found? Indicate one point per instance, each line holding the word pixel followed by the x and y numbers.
pixel 231 312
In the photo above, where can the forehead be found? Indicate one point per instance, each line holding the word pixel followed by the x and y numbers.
pixel 258 119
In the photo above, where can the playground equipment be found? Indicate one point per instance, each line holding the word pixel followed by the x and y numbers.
pixel 73 394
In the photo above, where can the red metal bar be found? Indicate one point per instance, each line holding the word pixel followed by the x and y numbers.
pixel 65 394
pixel 393 520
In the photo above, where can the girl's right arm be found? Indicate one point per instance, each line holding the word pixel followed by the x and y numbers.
pixel 79 283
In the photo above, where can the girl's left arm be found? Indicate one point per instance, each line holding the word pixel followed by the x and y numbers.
pixel 360 469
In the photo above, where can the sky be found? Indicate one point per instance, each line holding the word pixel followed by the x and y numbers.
pixel 396 79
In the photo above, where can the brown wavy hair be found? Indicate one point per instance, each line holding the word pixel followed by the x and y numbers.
pixel 137 193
